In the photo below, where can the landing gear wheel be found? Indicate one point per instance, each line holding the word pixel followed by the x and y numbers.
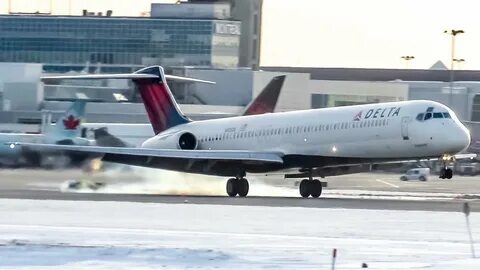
pixel 442 173
pixel 232 187
pixel 448 173
pixel 315 188
pixel 304 188
pixel 242 187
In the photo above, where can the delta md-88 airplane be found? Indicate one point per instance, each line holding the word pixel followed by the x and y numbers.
pixel 304 144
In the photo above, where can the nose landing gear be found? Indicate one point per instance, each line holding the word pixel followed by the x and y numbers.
pixel 445 172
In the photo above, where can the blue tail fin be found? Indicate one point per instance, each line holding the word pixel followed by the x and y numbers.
pixel 69 125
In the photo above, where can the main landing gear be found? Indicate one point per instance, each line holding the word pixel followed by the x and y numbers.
pixel 445 172
pixel 310 187
pixel 237 186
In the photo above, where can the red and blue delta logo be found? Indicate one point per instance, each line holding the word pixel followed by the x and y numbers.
pixel 358 117
pixel 377 113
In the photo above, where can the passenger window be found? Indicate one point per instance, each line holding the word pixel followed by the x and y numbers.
pixel 427 116
pixel 437 115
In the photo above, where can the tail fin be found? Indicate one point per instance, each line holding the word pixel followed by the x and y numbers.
pixel 266 101
pixel 69 125
pixel 162 109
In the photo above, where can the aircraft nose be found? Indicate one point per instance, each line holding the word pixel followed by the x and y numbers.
pixel 462 138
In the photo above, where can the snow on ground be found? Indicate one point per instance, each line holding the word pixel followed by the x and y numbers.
pixel 122 235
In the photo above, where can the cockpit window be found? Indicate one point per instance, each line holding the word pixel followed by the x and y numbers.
pixel 420 116
pixel 429 114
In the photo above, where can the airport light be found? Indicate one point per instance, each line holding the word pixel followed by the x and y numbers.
pixel 453 33
pixel 458 61
pixel 407 59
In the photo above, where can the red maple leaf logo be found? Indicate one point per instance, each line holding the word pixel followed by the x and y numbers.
pixel 71 122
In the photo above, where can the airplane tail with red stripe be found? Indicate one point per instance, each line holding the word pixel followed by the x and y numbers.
pixel 266 101
pixel 161 107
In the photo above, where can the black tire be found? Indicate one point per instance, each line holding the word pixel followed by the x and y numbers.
pixel 242 187
pixel 422 178
pixel 442 174
pixel 448 173
pixel 315 188
pixel 403 178
pixel 304 188
pixel 232 187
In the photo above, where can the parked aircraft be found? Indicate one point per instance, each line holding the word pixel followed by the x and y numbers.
pixel 308 142
pixel 67 130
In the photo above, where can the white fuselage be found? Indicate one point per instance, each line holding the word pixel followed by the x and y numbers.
pixel 384 130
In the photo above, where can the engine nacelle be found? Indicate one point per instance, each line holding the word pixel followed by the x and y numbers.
pixel 182 140
pixel 187 141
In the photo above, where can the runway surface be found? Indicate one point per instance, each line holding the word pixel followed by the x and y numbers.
pixel 450 205
pixel 128 186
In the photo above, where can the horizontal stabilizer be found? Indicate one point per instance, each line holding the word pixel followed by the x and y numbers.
pixel 130 76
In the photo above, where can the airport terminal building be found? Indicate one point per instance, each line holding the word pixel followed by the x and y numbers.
pixel 110 40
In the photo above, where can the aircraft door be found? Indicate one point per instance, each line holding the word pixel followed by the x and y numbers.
pixel 405 121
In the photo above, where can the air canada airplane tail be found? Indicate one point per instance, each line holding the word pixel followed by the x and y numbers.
pixel 69 125
pixel 161 107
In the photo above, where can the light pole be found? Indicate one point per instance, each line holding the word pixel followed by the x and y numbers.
pixel 407 59
pixel 453 33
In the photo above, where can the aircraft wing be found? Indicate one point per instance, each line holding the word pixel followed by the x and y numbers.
pixel 269 157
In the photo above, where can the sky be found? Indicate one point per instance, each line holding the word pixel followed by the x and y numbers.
pixel 335 33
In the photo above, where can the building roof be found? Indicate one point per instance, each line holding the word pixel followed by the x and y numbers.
pixel 366 74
